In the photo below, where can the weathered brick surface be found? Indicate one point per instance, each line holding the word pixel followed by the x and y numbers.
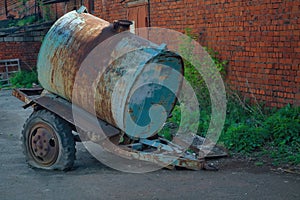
pixel 259 38
pixel 27 52
pixel 12 7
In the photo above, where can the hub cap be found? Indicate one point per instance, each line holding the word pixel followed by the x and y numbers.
pixel 43 144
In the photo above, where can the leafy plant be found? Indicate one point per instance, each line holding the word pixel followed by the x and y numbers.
pixel 277 134
pixel 24 79
pixel 284 134
pixel 165 132
pixel 47 16
pixel 26 21
pixel 284 126
pixel 188 119
pixel 244 138
pixel 250 128
pixel 201 61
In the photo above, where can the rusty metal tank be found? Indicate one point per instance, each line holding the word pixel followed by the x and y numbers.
pixel 127 81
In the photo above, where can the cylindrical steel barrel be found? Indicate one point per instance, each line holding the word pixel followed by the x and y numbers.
pixel 120 76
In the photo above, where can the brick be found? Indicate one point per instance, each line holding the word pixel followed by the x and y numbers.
pixel 27 52
pixel 260 47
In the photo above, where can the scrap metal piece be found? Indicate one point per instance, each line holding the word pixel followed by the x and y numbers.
pixel 202 146
pixel 27 94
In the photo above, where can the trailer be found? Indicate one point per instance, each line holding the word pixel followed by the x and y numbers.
pixel 49 137
pixel 99 85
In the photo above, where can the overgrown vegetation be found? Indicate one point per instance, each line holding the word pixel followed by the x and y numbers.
pixel 276 134
pixel 32 18
pixel 27 21
pixel 249 129
pixel 24 79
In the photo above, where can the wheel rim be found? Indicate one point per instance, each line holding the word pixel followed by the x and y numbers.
pixel 43 144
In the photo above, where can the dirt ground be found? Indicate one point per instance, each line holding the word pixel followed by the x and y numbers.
pixel 92 180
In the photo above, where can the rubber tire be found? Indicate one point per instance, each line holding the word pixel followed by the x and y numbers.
pixel 63 131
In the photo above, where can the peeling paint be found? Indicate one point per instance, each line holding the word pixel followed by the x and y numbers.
pixel 117 67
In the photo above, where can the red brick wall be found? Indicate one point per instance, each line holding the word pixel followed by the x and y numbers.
pixel 110 10
pixel 12 6
pixel 17 8
pixel 259 38
pixel 27 52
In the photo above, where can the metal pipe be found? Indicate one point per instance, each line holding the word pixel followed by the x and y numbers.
pixel 75 5
pixel 5 5
pixel 149 14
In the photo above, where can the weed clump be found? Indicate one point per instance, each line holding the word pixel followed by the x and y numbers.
pixel 249 128
pixel 24 79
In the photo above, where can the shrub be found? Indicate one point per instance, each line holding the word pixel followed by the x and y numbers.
pixel 248 127
pixel 26 21
pixel 24 79
pixel 284 134
pixel 244 138
pixel 284 126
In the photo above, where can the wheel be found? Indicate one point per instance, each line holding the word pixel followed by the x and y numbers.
pixel 48 142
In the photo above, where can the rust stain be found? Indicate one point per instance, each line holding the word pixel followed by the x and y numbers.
pixel 72 39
